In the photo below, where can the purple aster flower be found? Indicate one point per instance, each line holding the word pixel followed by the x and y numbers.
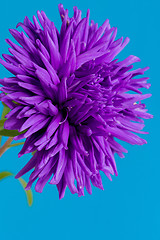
pixel 70 99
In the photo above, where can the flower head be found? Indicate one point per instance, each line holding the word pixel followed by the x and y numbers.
pixel 69 98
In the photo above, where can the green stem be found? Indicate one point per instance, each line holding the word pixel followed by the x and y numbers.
pixel 5 145
pixel 15 144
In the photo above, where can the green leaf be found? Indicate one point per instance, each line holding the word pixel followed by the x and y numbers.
pixel 4 104
pixel 5 111
pixel 10 133
pixel 5 174
pixel 28 192
pixel 5 132
pixel 2 123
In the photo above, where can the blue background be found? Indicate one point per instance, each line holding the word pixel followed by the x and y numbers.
pixel 129 207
